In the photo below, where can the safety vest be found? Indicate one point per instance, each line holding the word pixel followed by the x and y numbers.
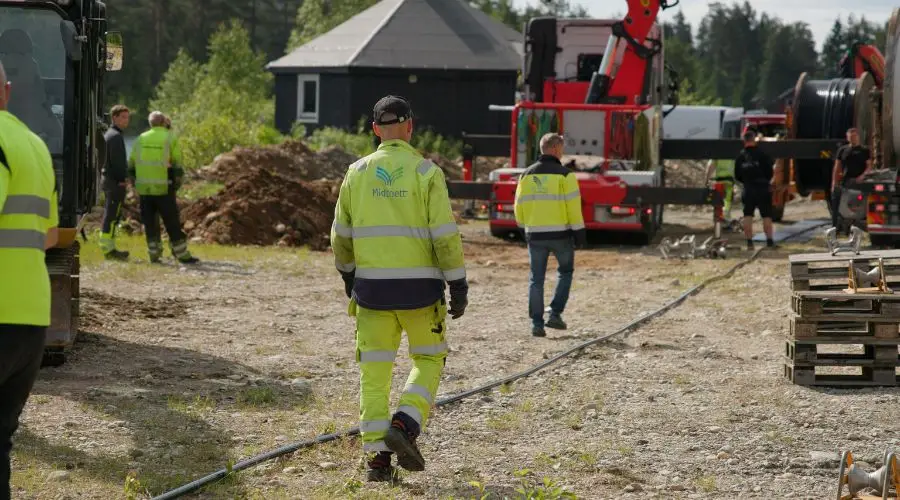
pixel 548 201
pixel 151 156
pixel 28 208
pixel 724 169
pixel 395 230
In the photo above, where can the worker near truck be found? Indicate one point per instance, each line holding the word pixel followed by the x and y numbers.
pixel 396 245
pixel 154 156
pixel 724 174
pixel 28 219
pixel 754 170
pixel 115 174
pixel 548 206
pixel 852 162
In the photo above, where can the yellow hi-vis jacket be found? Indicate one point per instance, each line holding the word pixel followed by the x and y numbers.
pixel 153 153
pixel 548 202
pixel 28 208
pixel 395 231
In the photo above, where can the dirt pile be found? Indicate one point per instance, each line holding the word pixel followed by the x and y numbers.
pixel 263 207
pixel 291 159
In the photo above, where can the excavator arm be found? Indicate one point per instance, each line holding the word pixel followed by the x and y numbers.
pixel 617 85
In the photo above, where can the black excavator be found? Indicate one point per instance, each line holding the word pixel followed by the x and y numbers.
pixel 56 54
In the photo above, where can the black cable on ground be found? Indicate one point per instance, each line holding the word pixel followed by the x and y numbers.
pixel 284 450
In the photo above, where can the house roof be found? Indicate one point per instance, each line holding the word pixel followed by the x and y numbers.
pixel 413 34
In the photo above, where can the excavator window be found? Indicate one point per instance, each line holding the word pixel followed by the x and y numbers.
pixel 588 64
pixel 34 57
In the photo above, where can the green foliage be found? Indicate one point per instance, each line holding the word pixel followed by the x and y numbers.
pixel 317 17
pixel 546 490
pixel 506 12
pixel 688 95
pixel 222 103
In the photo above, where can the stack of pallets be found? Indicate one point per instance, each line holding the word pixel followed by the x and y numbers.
pixel 838 338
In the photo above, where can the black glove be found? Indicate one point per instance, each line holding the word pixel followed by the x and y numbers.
pixel 459 292
pixel 348 282
pixel 580 239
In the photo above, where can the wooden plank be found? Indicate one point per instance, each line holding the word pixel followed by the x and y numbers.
pixel 807 376
pixel 854 339
pixel 864 255
pixel 873 356
pixel 798 272
pixel 849 296
pixel 804 285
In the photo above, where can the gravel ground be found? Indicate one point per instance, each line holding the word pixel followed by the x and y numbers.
pixel 180 372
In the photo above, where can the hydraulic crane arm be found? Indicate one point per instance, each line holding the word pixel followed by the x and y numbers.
pixel 617 85
pixel 861 58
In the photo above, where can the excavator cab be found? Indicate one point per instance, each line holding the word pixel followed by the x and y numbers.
pixel 50 50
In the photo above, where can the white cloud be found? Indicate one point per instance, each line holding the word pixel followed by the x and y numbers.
pixel 819 14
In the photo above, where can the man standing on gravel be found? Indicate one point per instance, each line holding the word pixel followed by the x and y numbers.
pixel 754 170
pixel 115 174
pixel 154 156
pixel 395 244
pixel 851 163
pixel 28 219
pixel 548 206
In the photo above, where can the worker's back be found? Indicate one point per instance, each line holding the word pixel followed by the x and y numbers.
pixel 398 209
pixel 152 154
pixel 548 201
pixel 28 208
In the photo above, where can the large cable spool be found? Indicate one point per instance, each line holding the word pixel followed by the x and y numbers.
pixel 825 109
pixel 890 140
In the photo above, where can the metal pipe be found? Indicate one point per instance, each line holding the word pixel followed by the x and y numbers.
pixel 500 107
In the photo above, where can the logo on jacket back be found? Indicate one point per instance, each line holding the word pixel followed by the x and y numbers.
pixel 539 186
pixel 388 179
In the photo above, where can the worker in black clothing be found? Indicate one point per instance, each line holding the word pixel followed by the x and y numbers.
pixel 754 170
pixel 851 163
pixel 114 176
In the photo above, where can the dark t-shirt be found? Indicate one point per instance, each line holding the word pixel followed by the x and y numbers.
pixel 753 168
pixel 853 161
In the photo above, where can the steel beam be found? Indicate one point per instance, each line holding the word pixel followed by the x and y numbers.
pixel 704 149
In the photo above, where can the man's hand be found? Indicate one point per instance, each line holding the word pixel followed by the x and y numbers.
pixel 348 282
pixel 580 240
pixel 459 292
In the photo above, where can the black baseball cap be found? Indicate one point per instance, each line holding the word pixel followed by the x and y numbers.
pixel 391 109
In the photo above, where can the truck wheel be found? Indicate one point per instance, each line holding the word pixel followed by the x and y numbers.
pixel 53 357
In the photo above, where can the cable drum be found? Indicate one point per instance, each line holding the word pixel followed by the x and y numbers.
pixel 825 109
pixel 890 140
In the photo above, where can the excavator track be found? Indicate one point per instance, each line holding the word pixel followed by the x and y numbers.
pixel 63 265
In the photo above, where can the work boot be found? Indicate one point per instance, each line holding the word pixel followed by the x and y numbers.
pixel 750 245
pixel 556 323
pixel 380 469
pixel 401 439
pixel 770 243
pixel 116 255
pixel 189 260
pixel 538 331
pixel 155 259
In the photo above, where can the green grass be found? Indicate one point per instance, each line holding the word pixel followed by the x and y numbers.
pixel 203 189
pixel 257 397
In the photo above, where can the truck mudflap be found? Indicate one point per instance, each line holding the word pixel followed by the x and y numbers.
pixel 63 266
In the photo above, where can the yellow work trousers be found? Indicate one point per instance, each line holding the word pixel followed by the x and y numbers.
pixel 377 341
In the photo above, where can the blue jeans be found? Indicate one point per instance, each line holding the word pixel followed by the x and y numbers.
pixel 538 253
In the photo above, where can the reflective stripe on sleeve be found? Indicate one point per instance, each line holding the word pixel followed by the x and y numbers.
pixel 345 267
pixel 374 425
pixel 400 273
pixel 377 231
pixel 26 204
pixel 341 230
pixel 429 349
pixel 443 230
pixel 549 197
pixel 424 166
pixel 377 356
pixel 576 227
pixel 22 238
pixel 455 274
pixel 412 412
pixel 359 165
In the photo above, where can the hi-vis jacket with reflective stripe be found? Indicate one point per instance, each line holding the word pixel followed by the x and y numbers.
pixel 724 170
pixel 548 201
pixel 394 229
pixel 151 156
pixel 28 208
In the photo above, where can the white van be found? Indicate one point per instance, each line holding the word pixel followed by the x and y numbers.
pixel 696 122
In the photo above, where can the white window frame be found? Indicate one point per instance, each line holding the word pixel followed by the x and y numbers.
pixel 307 117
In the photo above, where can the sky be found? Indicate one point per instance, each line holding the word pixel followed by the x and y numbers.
pixel 819 14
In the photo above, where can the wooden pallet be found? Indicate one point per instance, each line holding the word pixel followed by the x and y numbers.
pixel 823 271
pixel 808 354
pixel 870 376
